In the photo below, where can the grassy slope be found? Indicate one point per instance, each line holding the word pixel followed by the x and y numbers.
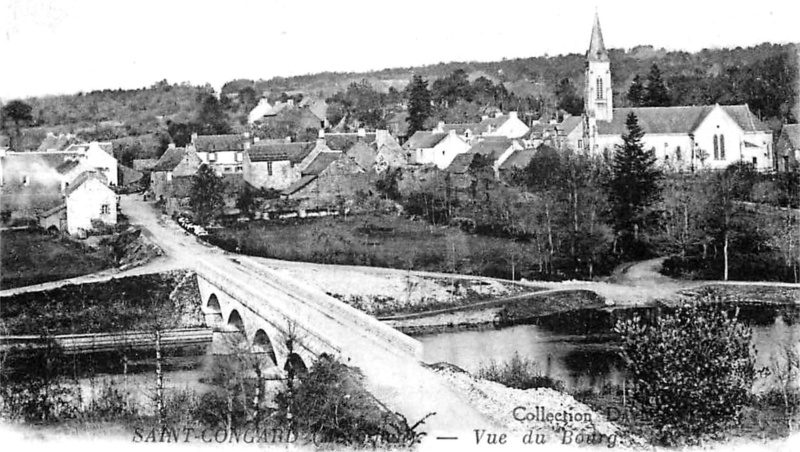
pixel 30 257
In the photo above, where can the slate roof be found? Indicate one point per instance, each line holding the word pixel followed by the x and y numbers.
pixel 518 159
pixel 424 140
pixel 569 124
pixel 677 120
pixel 792 134
pixel 211 143
pixel 67 166
pixel 495 123
pixel 492 148
pixel 83 178
pixel 322 161
pixel 597 48
pixel 144 164
pixel 52 211
pixel 169 160
pixel 461 163
pixel 273 152
pixel 299 184
pixel 106 146
pixel 344 141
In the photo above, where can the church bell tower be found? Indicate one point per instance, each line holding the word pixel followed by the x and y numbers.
pixel 598 103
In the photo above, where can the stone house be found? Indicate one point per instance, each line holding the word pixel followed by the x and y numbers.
pixel 89 198
pixel 788 148
pixel 54 219
pixel 329 179
pixel 496 149
pixel 434 148
pixel 165 178
pixel 508 125
pixel 519 159
pixel 273 165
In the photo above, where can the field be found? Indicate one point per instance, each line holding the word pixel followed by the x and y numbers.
pixel 382 241
pixel 30 257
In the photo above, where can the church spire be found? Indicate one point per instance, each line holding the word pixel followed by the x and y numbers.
pixel 597 49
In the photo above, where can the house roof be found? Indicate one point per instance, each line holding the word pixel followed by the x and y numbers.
pixel 170 159
pixel 518 159
pixel 144 164
pixel 669 120
pixel 322 161
pixel 56 142
pixel 54 210
pixel 106 146
pixel 188 165
pixel 461 163
pixel 48 159
pixel 212 143
pixel 424 140
pixel 491 148
pixel 128 175
pixel 273 152
pixel 84 177
pixel 569 124
pixel 792 134
pixel 344 141
pixel 67 166
pixel 299 184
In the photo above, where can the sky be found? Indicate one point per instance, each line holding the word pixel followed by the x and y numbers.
pixel 66 46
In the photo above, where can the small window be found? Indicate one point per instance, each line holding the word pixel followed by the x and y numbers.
pixel 212 156
pixel 238 156
pixel 755 162
pixel 26 180
pixel 269 168
pixel 580 144
pixel 239 169
pixel 678 155
pixel 169 176
pixel 105 209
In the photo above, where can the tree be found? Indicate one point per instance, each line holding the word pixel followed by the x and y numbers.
pixel 20 113
pixel 634 182
pixel 419 104
pixel 636 92
pixel 205 197
pixel 568 98
pixel 656 94
pixel 247 202
pixel 211 118
pixel 692 370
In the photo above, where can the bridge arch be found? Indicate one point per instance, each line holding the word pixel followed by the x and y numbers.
pixel 295 364
pixel 213 312
pixel 262 344
pixel 235 322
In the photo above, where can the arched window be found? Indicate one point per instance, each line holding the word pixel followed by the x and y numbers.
pixel 722 147
pixel 716 147
pixel 599 88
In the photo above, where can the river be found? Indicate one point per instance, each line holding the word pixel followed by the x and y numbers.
pixel 584 361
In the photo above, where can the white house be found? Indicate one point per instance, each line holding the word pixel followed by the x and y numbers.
pixel 223 153
pixel 435 148
pixel 509 126
pixel 89 198
pixel 98 156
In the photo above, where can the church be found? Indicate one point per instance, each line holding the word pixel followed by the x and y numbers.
pixel 682 138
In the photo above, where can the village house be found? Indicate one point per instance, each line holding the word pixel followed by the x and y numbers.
pixel 518 160
pixel 373 151
pixel 328 180
pixel 259 110
pixel 788 148
pixel 434 148
pixel 272 165
pixel 496 150
pixel 223 153
pixel 88 199
pixel 144 165
pixel 712 136
pixel 170 179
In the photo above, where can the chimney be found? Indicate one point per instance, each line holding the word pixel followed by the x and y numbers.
pixel 247 145
pixel 321 137
pixel 321 133
pixel 362 134
pixel 246 135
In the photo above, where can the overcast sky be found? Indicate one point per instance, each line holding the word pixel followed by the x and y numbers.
pixel 65 46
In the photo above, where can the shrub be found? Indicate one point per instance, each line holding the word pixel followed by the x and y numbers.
pixel 692 370
pixel 331 404
pixel 519 373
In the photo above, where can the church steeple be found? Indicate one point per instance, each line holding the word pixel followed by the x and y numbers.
pixel 597 48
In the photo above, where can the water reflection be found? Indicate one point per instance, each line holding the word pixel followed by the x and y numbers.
pixel 575 349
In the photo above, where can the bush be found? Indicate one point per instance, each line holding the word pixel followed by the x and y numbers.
pixel 519 373
pixel 692 371
pixel 331 404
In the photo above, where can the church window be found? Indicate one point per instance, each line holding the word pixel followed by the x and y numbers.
pixel 599 88
pixel 722 147
pixel 716 147
pixel 678 155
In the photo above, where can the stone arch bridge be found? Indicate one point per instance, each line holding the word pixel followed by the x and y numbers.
pixel 289 323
